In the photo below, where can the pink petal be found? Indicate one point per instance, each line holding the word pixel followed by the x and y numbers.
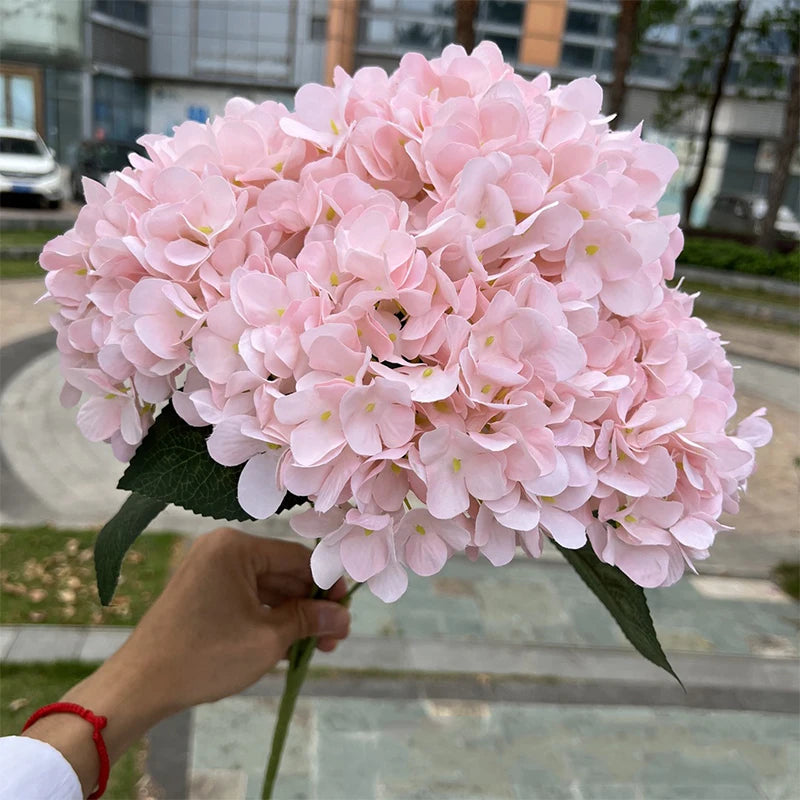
pixel 258 492
pixel 425 553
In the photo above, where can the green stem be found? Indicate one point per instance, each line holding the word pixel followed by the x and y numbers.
pixel 300 654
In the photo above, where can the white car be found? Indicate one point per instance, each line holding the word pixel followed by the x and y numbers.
pixel 27 166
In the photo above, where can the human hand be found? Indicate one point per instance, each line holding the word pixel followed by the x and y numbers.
pixel 228 615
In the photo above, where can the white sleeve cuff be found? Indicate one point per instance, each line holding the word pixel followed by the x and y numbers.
pixel 35 770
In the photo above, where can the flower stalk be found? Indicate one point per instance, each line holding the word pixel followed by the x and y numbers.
pixel 300 654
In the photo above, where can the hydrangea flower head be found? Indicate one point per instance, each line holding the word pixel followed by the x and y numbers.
pixel 432 302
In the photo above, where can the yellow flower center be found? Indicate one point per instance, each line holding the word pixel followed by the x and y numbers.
pixel 420 530
pixel 591 249
pixel 334 128
pixel 481 223
pixel 370 407
pixel 334 279
pixel 426 373
pixel 325 416
pixel 456 464
pixel 630 518
pixel 489 341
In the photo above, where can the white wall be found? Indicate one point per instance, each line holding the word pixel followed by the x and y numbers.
pixel 171 103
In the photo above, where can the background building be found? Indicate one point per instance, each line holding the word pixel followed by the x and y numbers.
pixel 79 69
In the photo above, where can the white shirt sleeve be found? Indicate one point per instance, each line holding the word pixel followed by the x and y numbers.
pixel 35 770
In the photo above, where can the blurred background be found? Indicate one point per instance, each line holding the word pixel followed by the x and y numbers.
pixel 481 683
pixel 109 70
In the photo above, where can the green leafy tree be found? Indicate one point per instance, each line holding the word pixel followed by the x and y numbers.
pixel 784 21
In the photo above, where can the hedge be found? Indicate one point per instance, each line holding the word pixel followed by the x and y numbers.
pixel 700 251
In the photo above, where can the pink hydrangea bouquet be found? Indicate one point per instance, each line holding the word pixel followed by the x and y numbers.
pixel 433 305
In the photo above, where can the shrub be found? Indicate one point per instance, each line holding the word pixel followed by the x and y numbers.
pixel 724 254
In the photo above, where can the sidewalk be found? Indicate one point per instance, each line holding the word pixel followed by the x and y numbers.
pixel 507 683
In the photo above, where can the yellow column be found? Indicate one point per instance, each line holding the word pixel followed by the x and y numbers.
pixel 341 36
pixel 542 32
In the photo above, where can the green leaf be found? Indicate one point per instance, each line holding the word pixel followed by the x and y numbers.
pixel 116 536
pixel 624 599
pixel 172 464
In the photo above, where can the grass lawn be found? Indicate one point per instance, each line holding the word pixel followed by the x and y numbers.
pixel 20 268
pixel 23 267
pixel 47 575
pixel 27 687
pixel 27 238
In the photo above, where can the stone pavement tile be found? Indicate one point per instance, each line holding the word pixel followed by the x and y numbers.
pixel 19 317
pixel 46 643
pixel 546 603
pixel 8 634
pixel 757 342
pixel 217 784
pixel 235 734
pixel 357 748
pixel 102 642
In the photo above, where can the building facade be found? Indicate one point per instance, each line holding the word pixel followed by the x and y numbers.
pixel 77 69
pixel 572 38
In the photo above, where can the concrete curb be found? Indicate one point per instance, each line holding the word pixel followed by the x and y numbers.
pixel 739 280
pixel 383 667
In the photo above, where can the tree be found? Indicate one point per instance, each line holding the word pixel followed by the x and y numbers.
pixel 790 15
pixel 623 54
pixel 465 23
pixel 692 190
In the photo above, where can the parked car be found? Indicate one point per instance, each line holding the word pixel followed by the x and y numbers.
pixel 97 159
pixel 744 214
pixel 29 167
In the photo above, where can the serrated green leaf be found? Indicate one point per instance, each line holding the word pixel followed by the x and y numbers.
pixel 624 599
pixel 116 536
pixel 172 464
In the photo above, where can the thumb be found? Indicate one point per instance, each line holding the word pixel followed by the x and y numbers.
pixel 298 619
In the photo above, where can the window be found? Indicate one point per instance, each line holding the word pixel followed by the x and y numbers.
pixel 133 11
pixel 319 29
pixel 504 13
pixel 577 56
pixel 584 23
pixel 17 146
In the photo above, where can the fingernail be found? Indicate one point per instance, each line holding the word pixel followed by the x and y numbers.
pixel 332 619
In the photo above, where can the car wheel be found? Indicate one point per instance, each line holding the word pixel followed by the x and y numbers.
pixel 77 193
pixel 54 204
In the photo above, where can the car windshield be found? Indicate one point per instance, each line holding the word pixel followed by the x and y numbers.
pixel 112 156
pixel 18 146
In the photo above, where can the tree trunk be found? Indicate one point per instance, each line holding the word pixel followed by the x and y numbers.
pixel 623 54
pixel 691 191
pixel 783 157
pixel 465 23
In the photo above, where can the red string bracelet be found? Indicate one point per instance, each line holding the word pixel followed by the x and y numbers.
pixel 98 723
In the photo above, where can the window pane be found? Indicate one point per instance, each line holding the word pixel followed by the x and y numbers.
pixel 380 31
pixel 23 103
pixel 416 34
pixel 506 13
pixel 583 22
pixel 577 56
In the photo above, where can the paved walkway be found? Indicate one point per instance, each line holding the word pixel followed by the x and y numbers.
pixel 508 683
